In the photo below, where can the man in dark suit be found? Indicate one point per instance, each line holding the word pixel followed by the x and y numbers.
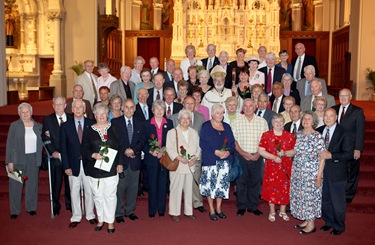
pixel 277 97
pixel 170 106
pixel 351 118
pixel 211 61
pixel 223 59
pixel 168 75
pixel 157 91
pixel 154 63
pixel 78 94
pixel 271 72
pixel 177 77
pixel 303 61
pixel 133 137
pixel 263 111
pixel 142 111
pixel 71 133
pixel 51 137
pixel 295 125
pixel 339 150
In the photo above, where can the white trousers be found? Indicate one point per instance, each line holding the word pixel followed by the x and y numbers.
pixel 105 198
pixel 180 183
pixel 75 187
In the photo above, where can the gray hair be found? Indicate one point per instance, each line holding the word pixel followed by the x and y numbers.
pixel 76 85
pixel 100 107
pixel 264 95
pixel 310 68
pixel 313 115
pixel 158 104
pixel 271 55
pixel 184 113
pixel 286 75
pixel 277 117
pixel 113 97
pixel 217 108
pixel 123 68
pixel 75 101
pixel 24 104
pixel 204 72
pixel 58 97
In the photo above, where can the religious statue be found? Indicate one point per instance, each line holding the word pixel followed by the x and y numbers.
pixel 285 15
pixel 166 12
pixel 308 13
pixel 10 22
pixel 145 15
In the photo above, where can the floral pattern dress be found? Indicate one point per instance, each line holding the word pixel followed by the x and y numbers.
pixel 276 179
pixel 305 197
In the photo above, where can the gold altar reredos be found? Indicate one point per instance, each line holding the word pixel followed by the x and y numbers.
pixel 229 24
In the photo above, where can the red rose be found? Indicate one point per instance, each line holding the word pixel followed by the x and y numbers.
pixel 242 112
pixel 225 140
pixel 182 147
pixel 25 178
pixel 179 99
pixel 262 85
pixel 245 87
pixel 152 136
pixel 105 136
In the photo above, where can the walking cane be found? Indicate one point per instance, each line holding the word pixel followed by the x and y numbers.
pixel 82 191
pixel 49 179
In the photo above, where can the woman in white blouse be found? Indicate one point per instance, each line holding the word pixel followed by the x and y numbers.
pixel 190 60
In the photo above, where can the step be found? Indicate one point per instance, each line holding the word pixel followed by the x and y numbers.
pixel 361 205
pixel 369 134
pixel 367 173
pixel 366 188
pixel 368 159
pixel 369 145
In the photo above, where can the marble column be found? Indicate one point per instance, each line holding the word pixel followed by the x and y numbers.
pixel 136 15
pixel 296 15
pixel 318 17
pixel 158 7
pixel 347 12
pixel 3 84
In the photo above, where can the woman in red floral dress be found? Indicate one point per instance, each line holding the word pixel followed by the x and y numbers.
pixel 277 170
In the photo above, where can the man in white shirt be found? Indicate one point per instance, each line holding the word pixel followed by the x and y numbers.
pixel 156 93
pixel 154 63
pixel 211 61
pixel 295 125
pixel 89 82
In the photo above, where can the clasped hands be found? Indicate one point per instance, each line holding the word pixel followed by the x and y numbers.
pixel 184 160
pixel 129 153
pixel 222 154
pixel 156 153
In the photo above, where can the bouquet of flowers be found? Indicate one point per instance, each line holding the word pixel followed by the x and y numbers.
pixel 154 144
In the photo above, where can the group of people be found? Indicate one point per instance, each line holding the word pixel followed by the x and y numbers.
pixel 252 110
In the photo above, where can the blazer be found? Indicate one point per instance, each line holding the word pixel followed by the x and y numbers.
pixel 281 107
pixel 341 148
pixel 354 123
pixel 306 102
pixel 136 144
pixel 151 129
pixel 170 84
pixel 198 120
pixel 277 75
pixel 288 125
pixel 150 98
pixel 295 93
pixel 138 114
pixel 215 63
pixel 309 60
pixel 117 87
pixel 268 114
pixel 15 147
pixel 177 107
pixel 302 88
pixel 70 146
pixel 68 108
pixel 166 77
pixel 86 83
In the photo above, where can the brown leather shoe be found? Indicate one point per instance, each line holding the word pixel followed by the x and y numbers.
pixel 93 221
pixel 175 218
pixel 73 224
pixel 192 217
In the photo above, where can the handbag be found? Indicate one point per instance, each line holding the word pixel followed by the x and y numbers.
pixel 235 169
pixel 167 162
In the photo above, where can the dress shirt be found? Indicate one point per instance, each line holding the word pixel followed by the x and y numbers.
pixel 82 123
pixel 297 125
pixel 295 75
pixel 331 131
pixel 340 112
pixel 156 93
pixel 63 116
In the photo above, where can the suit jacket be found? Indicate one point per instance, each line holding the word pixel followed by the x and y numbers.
pixel 295 93
pixel 302 88
pixel 277 75
pixel 268 114
pixel 177 107
pixel 309 60
pixel 198 120
pixel 150 98
pixel 86 83
pixel 306 102
pixel 166 77
pixel 159 71
pixel 117 87
pixel 341 148
pixel 354 123
pixel 281 107
pixel 68 108
pixel 170 84
pixel 138 114
pixel 70 146
pixel 136 144
pixel 215 63
pixel 288 125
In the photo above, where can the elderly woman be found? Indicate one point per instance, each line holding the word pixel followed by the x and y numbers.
pixel 283 54
pixel 231 104
pixel 239 63
pixel 197 95
pixel 219 94
pixel 102 174
pixel 23 157
pixel 190 60
pixel 255 76
pixel 183 88
pixel 157 176
pixel 217 144
pixel 104 95
pixel 193 75
pixel 256 90
pixel 243 87
pixel 115 107
pixel 146 82
pixel 106 78
pixel 289 89
pixel 320 105
pixel 288 102
pixel 277 169
pixel 203 77
pixel 187 152
pixel 136 72
pixel 307 173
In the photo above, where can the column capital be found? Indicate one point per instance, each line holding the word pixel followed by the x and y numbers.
pixel 157 5
pixel 318 3
pixel 137 3
pixel 296 5
pixel 56 14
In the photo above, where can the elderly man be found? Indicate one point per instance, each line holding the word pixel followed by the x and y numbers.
pixel 154 64
pixel 177 77
pixel 123 87
pixel 351 118
pixel 271 72
pixel 277 97
pixel 339 150
pixel 263 111
pixel 223 59
pixel 156 93
pixel 301 61
pixel 89 82
pixel 316 90
pixel 247 130
pixel 211 61
pixel 78 94
pixel 142 111
pixel 295 125
pixel 303 85
pixel 168 75
pixel 171 106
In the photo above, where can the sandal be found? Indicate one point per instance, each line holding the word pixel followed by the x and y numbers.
pixel 284 216
pixel 271 217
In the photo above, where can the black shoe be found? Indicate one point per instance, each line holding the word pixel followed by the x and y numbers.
pixel 140 193
pixel 69 208
pixel 73 224
pixel 241 212
pixel 32 213
pixel 13 216
pixel 201 209
pixel 93 221
pixel 160 215
pixel 221 215
pixel 99 228
pixel 302 232
pixel 110 231
pixel 325 228
pixel 299 226
pixel 132 216
pixel 152 215
pixel 257 212
pixel 213 217
pixel 120 220
pixel 56 212
pixel 335 232
pixel 349 200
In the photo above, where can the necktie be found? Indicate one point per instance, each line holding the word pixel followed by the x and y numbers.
pixel 169 112
pixel 294 130
pixel 275 103
pixel 209 64
pixel 61 121
pixel 326 139
pixel 170 77
pixel 152 72
pixel 312 104
pixel 145 112
pixel 342 114
pixel 298 72
pixel 260 113
pixel 94 88
pixel 80 132
pixel 158 95
pixel 269 81
pixel 130 131
pixel 308 91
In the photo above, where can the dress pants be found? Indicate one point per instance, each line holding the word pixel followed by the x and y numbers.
pixel 127 187
pixel 180 183
pixel 352 184
pixel 31 191
pixel 75 187
pixel 105 197
pixel 56 182
pixel 334 203
pixel 197 197
pixel 249 184
pixel 157 187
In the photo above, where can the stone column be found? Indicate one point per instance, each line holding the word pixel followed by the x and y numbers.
pixel 136 15
pixel 347 12
pixel 3 84
pixel 296 15
pixel 318 21
pixel 158 7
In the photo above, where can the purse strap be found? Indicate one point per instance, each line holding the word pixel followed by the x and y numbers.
pixel 176 140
